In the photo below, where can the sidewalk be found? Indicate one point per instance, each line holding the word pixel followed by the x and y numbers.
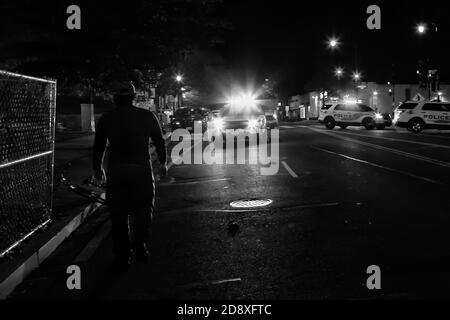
pixel 69 211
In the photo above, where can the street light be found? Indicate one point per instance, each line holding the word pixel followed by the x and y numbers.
pixel 339 72
pixel 421 28
pixel 356 76
pixel 431 64
pixel 333 43
pixel 179 79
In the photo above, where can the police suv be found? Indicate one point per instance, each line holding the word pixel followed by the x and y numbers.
pixel 419 115
pixel 346 114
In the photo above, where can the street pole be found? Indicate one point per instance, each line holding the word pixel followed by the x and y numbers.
pixel 393 95
pixel 181 96
pixel 90 91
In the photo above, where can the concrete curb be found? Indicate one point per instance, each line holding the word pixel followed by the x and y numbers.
pixel 32 262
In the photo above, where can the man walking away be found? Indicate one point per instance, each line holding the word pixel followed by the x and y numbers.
pixel 130 183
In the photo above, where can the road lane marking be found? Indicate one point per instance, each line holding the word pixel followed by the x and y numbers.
pixel 287 127
pixel 395 151
pixel 192 182
pixel 288 169
pixel 226 281
pixel 233 210
pixel 399 140
pixel 382 167
pixel 282 208
pixel 316 205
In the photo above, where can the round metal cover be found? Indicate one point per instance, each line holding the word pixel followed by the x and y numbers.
pixel 251 203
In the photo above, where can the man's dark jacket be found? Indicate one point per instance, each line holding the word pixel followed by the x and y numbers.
pixel 128 130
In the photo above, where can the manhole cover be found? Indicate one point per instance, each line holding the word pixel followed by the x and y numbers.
pixel 253 203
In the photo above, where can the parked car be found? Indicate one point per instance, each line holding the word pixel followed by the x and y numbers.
pixel 271 121
pixel 419 115
pixel 344 114
pixel 187 117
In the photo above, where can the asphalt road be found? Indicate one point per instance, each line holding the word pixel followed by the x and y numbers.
pixel 342 200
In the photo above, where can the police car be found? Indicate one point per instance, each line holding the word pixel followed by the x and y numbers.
pixel 419 115
pixel 349 113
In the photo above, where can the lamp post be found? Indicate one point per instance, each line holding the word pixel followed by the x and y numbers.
pixel 356 76
pixel 431 71
pixel 179 79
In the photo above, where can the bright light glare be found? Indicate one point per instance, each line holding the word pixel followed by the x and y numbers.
pixel 350 101
pixel 421 28
pixel 218 123
pixel 179 78
pixel 242 100
pixel 252 123
pixel 333 43
pixel 378 116
pixel 356 76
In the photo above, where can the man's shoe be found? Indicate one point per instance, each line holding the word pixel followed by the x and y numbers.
pixel 141 253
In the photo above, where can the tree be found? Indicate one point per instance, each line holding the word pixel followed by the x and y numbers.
pixel 133 40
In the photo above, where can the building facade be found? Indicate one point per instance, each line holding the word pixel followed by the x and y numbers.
pixel 381 97
pixel 385 97
pixel 304 106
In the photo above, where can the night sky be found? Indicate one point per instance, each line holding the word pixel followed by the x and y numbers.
pixel 286 40
pixel 281 40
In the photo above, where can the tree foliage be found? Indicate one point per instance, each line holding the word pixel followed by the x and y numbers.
pixel 134 40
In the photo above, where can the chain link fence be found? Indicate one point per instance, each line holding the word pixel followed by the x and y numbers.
pixel 27 139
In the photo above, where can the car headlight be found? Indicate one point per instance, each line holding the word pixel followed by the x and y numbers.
pixel 396 116
pixel 218 123
pixel 378 116
pixel 252 123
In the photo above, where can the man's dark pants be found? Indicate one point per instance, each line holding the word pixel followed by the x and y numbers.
pixel 130 193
